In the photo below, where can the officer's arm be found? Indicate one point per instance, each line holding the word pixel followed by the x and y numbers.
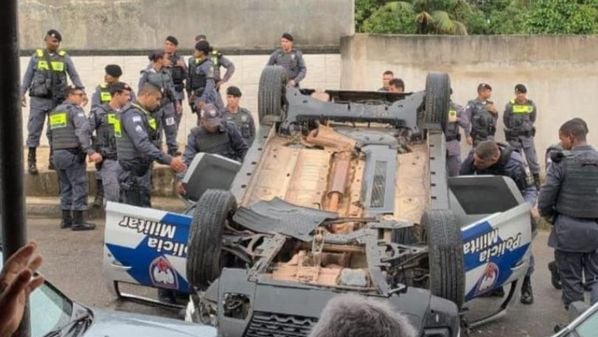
pixel 82 130
pixel 95 98
pixel 528 191
pixel 549 192
pixel 189 153
pixel 533 114
pixel 467 114
pixel 210 85
pixel 272 59
pixel 73 74
pixel 302 69
pixel 467 167
pixel 506 117
pixel 462 119
pixel 93 124
pixel 28 77
pixel 188 81
pixel 229 66
pixel 237 142
pixel 140 139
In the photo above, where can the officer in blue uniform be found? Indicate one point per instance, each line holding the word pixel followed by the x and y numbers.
pixel 201 86
pixel 104 120
pixel 570 196
pixel 70 138
pixel 101 95
pixel 178 72
pixel 482 115
pixel 218 61
pixel 488 157
pixel 46 81
pixel 290 59
pixel 238 115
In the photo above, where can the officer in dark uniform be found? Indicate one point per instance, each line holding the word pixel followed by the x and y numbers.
pixel 46 80
pixel 456 119
pixel 70 138
pixel 239 116
pixel 159 76
pixel 213 135
pixel 105 121
pixel 201 87
pixel 218 61
pixel 570 196
pixel 290 59
pixel 482 115
pixel 101 95
pixel 138 147
pixel 178 72
pixel 519 118
pixel 488 157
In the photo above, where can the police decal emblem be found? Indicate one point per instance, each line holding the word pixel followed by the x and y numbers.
pixel 163 274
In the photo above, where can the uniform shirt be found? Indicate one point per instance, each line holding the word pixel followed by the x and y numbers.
pixel 32 68
pixel 292 61
pixel 178 60
pixel 244 122
pixel 164 82
pixel 456 119
pixel 512 166
pixel 104 115
pixel 475 111
pixel 96 97
pixel 80 123
pixel 218 60
pixel 132 125
pixel 568 233
pixel 206 68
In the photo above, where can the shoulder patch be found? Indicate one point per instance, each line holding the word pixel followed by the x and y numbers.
pixel 139 129
pixel 62 52
pixel 136 118
pixel 39 53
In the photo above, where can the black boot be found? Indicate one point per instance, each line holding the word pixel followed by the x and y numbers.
pixel 67 219
pixel 537 181
pixel 555 277
pixel 51 160
pixel 79 223
pixel 527 296
pixel 31 161
pixel 98 201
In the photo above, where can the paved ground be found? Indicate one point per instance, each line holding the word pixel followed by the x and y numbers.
pixel 73 262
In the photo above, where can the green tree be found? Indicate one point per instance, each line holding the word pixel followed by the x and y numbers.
pixel 562 17
pixel 395 17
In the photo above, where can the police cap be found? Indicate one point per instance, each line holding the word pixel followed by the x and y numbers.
pixel 203 46
pixel 172 40
pixel 55 34
pixel 520 88
pixel 118 87
pixel 113 70
pixel 233 91
pixel 210 115
pixel 287 36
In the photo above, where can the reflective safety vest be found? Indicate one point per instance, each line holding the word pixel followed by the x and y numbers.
pixel 452 128
pixel 105 96
pixel 125 147
pixel 520 109
pixel 49 79
pixel 108 128
pixel 62 130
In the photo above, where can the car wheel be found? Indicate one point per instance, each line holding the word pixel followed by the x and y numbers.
pixel 204 257
pixel 445 255
pixel 271 94
pixel 436 101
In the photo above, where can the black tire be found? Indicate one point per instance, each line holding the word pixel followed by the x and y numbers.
pixel 436 101
pixel 445 256
pixel 213 210
pixel 270 95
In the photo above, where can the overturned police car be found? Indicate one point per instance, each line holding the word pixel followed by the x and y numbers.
pixel 342 191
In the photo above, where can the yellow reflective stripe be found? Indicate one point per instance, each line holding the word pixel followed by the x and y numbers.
pixel 105 96
pixel 452 116
pixel 522 109
pixel 152 123
pixel 39 53
pixel 115 122
pixel 57 66
pixel 58 120
pixel 42 65
pixel 61 52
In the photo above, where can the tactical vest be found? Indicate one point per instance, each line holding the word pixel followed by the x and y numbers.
pixel 483 124
pixel 161 79
pixel 578 195
pixel 105 96
pixel 519 121
pixel 62 128
pixel 107 129
pixel 177 72
pixel 452 128
pixel 241 120
pixel 125 148
pixel 49 77
pixel 289 62
pixel 198 78
pixel 217 143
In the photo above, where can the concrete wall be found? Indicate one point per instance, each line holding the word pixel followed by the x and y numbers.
pixel 143 24
pixel 323 71
pixel 560 72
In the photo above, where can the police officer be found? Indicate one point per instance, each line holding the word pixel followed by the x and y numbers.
pixel 201 88
pixel 456 119
pixel 488 157
pixel 290 59
pixel 213 135
pixel 396 85
pixel 519 118
pixel 239 116
pixel 101 95
pixel 218 61
pixel 46 81
pixel 570 196
pixel 482 115
pixel 70 138
pixel 386 77
pixel 138 147
pixel 105 121
pixel 159 76
pixel 178 72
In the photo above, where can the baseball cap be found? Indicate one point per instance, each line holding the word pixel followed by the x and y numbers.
pixel 210 115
